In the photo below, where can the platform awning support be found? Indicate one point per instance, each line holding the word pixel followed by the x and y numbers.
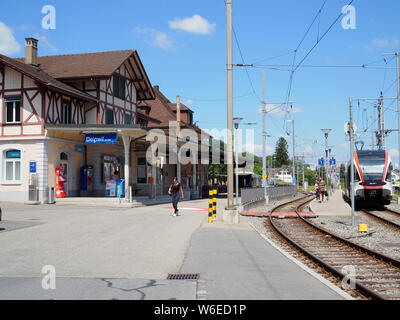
pixel 127 143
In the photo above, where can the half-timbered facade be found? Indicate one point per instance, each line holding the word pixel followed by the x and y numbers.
pixel 72 92
pixel 48 107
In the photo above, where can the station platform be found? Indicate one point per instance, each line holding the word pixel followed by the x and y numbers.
pixel 127 253
pixel 236 263
pixel 335 206
pixel 112 201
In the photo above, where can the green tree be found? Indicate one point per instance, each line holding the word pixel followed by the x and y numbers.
pixel 342 170
pixel 281 153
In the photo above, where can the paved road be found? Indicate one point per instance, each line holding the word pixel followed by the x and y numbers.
pixel 96 242
pixel 101 253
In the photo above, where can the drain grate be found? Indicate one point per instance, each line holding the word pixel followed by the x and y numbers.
pixel 183 276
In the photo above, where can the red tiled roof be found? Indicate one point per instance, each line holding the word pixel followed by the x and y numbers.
pixel 96 65
pixel 161 110
pixel 183 107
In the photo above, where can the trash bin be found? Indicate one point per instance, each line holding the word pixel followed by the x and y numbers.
pixel 51 195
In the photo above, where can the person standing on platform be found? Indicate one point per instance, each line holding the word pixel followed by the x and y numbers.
pixel 316 190
pixel 174 190
pixel 322 189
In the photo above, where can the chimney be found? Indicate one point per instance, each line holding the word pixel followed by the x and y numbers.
pixel 31 51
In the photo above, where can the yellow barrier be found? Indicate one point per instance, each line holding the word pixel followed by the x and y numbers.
pixel 210 206
pixel 215 204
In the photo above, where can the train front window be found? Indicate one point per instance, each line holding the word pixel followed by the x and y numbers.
pixel 372 169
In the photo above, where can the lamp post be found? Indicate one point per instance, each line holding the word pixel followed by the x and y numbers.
pixel 229 70
pixel 293 150
pixel 236 122
pixel 326 133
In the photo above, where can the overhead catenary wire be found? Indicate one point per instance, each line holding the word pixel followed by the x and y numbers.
pixel 247 71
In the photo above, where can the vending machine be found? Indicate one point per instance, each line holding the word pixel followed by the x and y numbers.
pixel 87 186
pixel 60 183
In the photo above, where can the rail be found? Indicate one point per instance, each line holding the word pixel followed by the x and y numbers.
pixel 377 274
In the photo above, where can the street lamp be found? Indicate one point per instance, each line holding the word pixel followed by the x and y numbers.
pixel 294 166
pixel 326 133
pixel 236 122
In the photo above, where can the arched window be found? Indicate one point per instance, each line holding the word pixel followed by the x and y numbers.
pixel 63 156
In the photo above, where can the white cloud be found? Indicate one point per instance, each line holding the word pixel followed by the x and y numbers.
pixel 257 149
pixel 43 41
pixel 276 110
pixel 159 39
pixel 195 24
pixel 8 44
pixel 394 153
pixel 377 43
pixel 308 150
pixel 188 103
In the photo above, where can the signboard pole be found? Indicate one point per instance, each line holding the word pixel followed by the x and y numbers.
pixel 351 162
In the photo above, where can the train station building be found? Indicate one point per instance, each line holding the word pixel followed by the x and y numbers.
pixel 83 119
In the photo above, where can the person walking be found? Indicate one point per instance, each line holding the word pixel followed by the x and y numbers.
pixel 174 190
pixel 322 189
pixel 316 190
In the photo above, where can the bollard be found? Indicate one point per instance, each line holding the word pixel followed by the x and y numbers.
pixel 210 205
pixel 215 204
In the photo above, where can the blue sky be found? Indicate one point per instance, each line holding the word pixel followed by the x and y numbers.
pixel 182 46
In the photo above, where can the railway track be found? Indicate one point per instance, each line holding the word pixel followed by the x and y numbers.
pixel 374 275
pixel 387 216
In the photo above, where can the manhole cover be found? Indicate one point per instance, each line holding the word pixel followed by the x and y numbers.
pixel 183 276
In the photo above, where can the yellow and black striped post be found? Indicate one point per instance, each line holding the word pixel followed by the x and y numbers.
pixel 210 206
pixel 215 204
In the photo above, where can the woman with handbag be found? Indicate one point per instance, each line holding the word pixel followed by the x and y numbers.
pixel 174 190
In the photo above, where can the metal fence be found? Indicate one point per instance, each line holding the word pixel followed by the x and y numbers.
pixel 249 195
pixel 273 193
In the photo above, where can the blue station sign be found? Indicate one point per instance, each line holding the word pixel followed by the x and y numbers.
pixel 79 149
pixel 32 166
pixel 107 138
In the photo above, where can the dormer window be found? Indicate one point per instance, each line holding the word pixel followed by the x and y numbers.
pixel 119 87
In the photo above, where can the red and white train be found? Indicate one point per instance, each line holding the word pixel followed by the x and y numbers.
pixel 372 178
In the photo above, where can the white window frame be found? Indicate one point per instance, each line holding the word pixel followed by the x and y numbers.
pixel 13 161
pixel 13 100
